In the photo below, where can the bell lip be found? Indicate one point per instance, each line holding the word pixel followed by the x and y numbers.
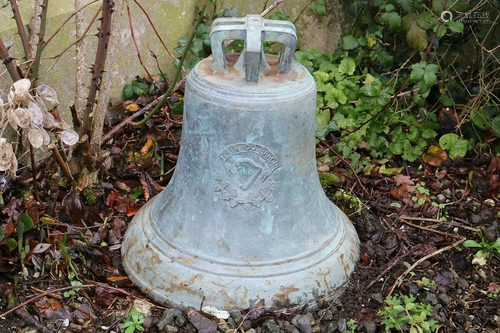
pixel 268 89
pixel 183 285
pixel 173 252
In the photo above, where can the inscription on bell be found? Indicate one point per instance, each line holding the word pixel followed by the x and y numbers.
pixel 246 172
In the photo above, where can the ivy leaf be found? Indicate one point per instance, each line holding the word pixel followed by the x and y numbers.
pixel 393 19
pixel 405 4
pixel 334 97
pixel 455 26
pixel 347 66
pixel 454 145
pixel 417 38
pixel 349 43
pixel 128 91
pixel 426 20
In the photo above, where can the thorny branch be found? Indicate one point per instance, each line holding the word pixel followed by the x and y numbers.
pixel 7 61
pixel 20 29
pixel 97 68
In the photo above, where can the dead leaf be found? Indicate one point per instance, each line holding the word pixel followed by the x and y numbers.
pixel 434 156
pixel 147 146
pixel 41 247
pixel 493 286
pixel 202 323
pixel 149 186
pixel 401 179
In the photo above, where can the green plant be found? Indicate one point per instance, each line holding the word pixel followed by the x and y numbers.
pixel 402 310
pixel 134 321
pixel 486 247
pixel 351 326
pixel 381 92
pixel 426 283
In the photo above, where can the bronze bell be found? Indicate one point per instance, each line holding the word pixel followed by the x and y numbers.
pixel 244 217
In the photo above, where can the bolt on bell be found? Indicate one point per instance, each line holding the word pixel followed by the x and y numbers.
pixel 244 217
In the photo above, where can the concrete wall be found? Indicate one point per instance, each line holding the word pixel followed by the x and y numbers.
pixel 172 18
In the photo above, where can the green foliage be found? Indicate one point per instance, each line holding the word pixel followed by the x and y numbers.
pixel 484 244
pixel 381 91
pixel 135 89
pixel 134 321
pixel 402 310
pixel 351 326
pixel 318 6
pixel 325 178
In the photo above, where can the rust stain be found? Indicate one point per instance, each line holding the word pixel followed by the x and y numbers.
pixel 346 267
pixel 284 298
pixel 192 280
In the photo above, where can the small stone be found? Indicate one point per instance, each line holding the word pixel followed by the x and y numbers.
pixel 304 324
pixel 377 298
pixel 431 298
pixel 447 193
pixel 436 308
pixel 475 218
pixel 463 284
pixel 171 329
pixel 247 324
pixel 189 328
pixel 342 325
pixel 316 329
pixel 231 322
pixel 471 330
pixel 232 330
pixel 460 318
pixel 328 315
pixel 167 318
pixel 331 328
pixel 443 299
pixel 290 328
pixel 181 320
pixel 236 315
pixel 440 198
pixel 270 326
pixel 368 327
pixel 413 288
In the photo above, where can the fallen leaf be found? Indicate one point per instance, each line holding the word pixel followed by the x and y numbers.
pixel 434 156
pixel 493 286
pixel 202 323
pixel 401 179
pixel 213 311
pixel 147 146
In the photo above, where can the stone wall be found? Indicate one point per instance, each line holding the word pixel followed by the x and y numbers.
pixel 172 18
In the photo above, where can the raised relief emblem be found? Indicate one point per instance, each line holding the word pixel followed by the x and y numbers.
pixel 246 176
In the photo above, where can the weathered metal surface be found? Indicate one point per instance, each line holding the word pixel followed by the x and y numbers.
pixel 244 217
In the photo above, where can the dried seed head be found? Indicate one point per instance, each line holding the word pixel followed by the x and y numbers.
pixel 47 93
pixel 19 92
pixel 69 137
pixel 35 137
pixel 36 114
pixel 22 117
pixel 6 155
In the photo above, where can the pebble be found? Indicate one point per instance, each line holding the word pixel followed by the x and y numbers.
pixel 440 198
pixel 431 298
pixel 331 328
pixel 443 299
pixel 328 315
pixel 236 315
pixel 475 218
pixel 181 320
pixel 303 323
pixel 291 329
pixel 247 324
pixel 377 298
pixel 270 326
pixel 463 284
pixel 412 288
pixel 368 327
pixel 167 318
pixel 231 322
pixel 316 329
pixel 471 330
pixel 170 329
